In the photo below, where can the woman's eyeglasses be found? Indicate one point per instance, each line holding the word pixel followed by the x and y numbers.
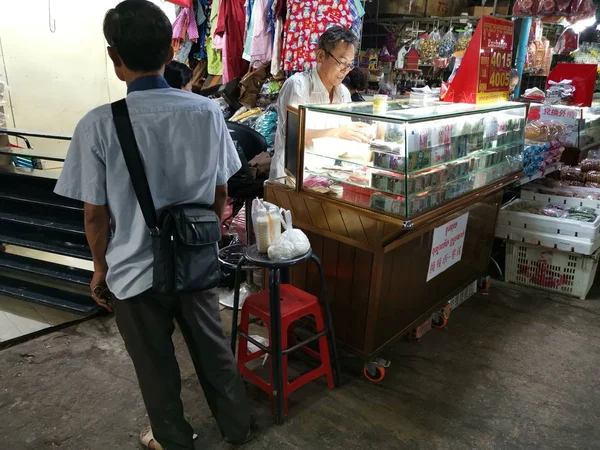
pixel 341 64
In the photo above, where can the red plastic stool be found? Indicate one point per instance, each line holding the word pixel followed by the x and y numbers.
pixel 279 308
pixel 295 304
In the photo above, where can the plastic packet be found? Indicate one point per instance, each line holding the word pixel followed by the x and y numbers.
pixel 581 9
pixel 525 8
pixel 582 213
pixel 266 125
pixel 560 92
pixel 562 6
pixel 292 242
pixel 463 41
pixel 267 224
pixel 588 165
pixel 238 225
pixel 568 173
pixel 430 47
pixel 592 177
pixel 546 7
pixel 447 44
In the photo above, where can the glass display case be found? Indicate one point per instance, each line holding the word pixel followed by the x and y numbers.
pixel 404 160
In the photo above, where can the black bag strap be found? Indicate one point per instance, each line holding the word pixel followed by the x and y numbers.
pixel 133 160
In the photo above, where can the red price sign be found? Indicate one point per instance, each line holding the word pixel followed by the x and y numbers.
pixel 484 74
pixel 495 60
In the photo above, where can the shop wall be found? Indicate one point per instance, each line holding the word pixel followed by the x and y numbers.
pixel 55 78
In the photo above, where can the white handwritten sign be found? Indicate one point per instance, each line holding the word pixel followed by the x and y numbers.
pixel 447 246
pixel 567 115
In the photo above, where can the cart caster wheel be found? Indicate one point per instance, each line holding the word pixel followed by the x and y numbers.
pixel 375 375
pixel 439 322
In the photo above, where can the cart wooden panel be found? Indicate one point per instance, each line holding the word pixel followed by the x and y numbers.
pixel 376 268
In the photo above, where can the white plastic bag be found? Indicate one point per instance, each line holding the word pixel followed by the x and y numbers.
pixel 267 224
pixel 291 244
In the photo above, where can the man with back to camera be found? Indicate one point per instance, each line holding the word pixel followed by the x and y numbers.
pixel 335 59
pixel 169 124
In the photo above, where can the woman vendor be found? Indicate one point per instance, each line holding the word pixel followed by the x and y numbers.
pixel 335 59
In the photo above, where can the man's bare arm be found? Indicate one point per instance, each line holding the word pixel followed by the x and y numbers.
pixel 220 200
pixel 97 232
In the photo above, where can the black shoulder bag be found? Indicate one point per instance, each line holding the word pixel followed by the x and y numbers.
pixel 184 237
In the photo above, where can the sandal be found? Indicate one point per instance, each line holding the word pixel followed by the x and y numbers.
pixel 146 437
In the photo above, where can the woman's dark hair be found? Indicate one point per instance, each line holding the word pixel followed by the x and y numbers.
pixel 177 74
pixel 357 79
pixel 140 33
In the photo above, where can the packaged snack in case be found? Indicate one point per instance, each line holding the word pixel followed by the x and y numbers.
pixel 425 138
pixel 394 133
pixel 434 198
pixel 460 146
pixel 398 185
pixel 437 175
pixel 386 160
pixel 475 142
pixel 442 134
pixel 492 126
pixel 380 181
pixel 388 204
pixel 419 159
pixel 441 154
pixel 418 183
pixel 426 175
pixel 590 164
pixel 382 160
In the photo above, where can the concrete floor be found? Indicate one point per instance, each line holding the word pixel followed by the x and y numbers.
pixel 515 369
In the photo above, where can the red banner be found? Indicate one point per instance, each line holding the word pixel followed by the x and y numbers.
pixel 490 53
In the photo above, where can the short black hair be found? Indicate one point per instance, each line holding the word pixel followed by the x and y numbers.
pixel 357 79
pixel 333 35
pixel 141 34
pixel 177 74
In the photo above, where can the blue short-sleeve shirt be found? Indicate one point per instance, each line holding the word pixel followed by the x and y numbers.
pixel 186 149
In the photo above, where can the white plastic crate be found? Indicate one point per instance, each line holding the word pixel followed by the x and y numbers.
pixel 551 270
pixel 527 194
pixel 585 231
pixel 551 241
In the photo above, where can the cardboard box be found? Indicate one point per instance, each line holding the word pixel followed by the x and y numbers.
pixel 440 8
pixel 480 11
pixel 411 7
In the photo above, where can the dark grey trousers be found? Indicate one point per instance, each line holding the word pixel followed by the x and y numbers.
pixel 146 323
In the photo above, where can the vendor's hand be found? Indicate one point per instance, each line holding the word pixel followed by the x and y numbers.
pixel 100 293
pixel 354 131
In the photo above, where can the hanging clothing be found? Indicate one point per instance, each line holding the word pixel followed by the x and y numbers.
pixel 183 52
pixel 202 10
pixel 358 11
pixel 185 23
pixel 215 61
pixel 276 65
pixel 232 17
pixel 258 48
pixel 306 21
